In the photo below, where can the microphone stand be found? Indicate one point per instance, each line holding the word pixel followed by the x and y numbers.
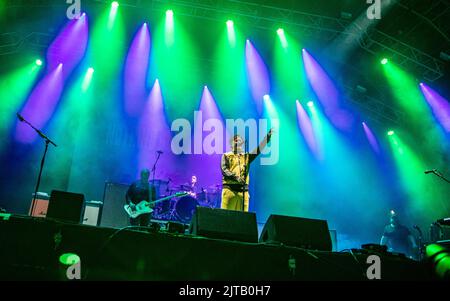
pixel 47 142
pixel 154 168
pixel 420 242
pixel 244 183
pixel 437 173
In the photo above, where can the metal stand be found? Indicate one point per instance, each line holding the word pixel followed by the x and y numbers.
pixel 47 142
pixel 154 167
pixel 245 175
pixel 437 173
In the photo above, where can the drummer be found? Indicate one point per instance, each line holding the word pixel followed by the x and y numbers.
pixel 193 186
pixel 195 191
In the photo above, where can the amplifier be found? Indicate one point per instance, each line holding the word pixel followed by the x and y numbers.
pixel 38 207
pixel 113 214
pixel 92 213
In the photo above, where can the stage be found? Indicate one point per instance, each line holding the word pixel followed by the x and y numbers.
pixel 325 123
pixel 31 248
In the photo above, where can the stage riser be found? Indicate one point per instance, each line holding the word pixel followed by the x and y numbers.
pixel 28 252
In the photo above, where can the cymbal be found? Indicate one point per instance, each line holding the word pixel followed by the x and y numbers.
pixel 159 181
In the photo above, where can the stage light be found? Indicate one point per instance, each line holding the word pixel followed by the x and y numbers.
pixel 439 257
pixel 384 61
pixel 231 33
pixel 371 137
pixel 266 97
pixel 170 29
pixel 390 133
pixel 69 259
pixel 112 14
pixel 392 212
pixel 87 79
pixel 39 62
pixel 282 37
pixel 310 104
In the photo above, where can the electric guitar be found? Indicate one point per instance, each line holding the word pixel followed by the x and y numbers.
pixel 144 206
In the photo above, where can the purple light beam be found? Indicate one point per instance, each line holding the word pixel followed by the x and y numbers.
pixel 40 105
pixel 198 161
pixel 257 74
pixel 136 71
pixel 439 105
pixel 327 92
pixel 154 134
pixel 69 47
pixel 307 130
pixel 371 138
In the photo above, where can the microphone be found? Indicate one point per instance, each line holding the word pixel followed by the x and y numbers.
pixel 430 171
pixel 20 117
pixel 160 152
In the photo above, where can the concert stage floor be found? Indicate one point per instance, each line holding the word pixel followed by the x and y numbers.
pixel 30 248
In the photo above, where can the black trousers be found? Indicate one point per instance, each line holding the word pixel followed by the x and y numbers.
pixel 141 220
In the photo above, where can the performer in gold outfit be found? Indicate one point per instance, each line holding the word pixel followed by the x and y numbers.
pixel 235 167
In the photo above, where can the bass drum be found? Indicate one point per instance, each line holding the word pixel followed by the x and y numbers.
pixel 185 208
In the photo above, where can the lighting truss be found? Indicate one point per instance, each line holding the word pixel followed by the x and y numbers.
pixel 268 17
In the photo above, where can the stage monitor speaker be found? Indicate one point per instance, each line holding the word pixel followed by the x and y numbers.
pixel 297 232
pixel 224 224
pixel 39 208
pixel 92 213
pixel 65 206
pixel 113 214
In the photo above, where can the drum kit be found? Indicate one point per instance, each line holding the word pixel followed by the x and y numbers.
pixel 182 209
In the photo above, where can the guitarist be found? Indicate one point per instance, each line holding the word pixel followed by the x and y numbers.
pixel 140 191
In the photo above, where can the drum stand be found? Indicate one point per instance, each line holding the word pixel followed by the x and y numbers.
pixel 169 215
pixel 172 215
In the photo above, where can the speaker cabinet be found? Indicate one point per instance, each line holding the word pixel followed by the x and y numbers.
pixel 113 214
pixel 39 208
pixel 297 232
pixel 224 224
pixel 65 206
pixel 92 213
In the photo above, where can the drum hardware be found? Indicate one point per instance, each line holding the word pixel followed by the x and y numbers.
pixel 181 209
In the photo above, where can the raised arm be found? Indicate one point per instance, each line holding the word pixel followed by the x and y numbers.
pixel 261 146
